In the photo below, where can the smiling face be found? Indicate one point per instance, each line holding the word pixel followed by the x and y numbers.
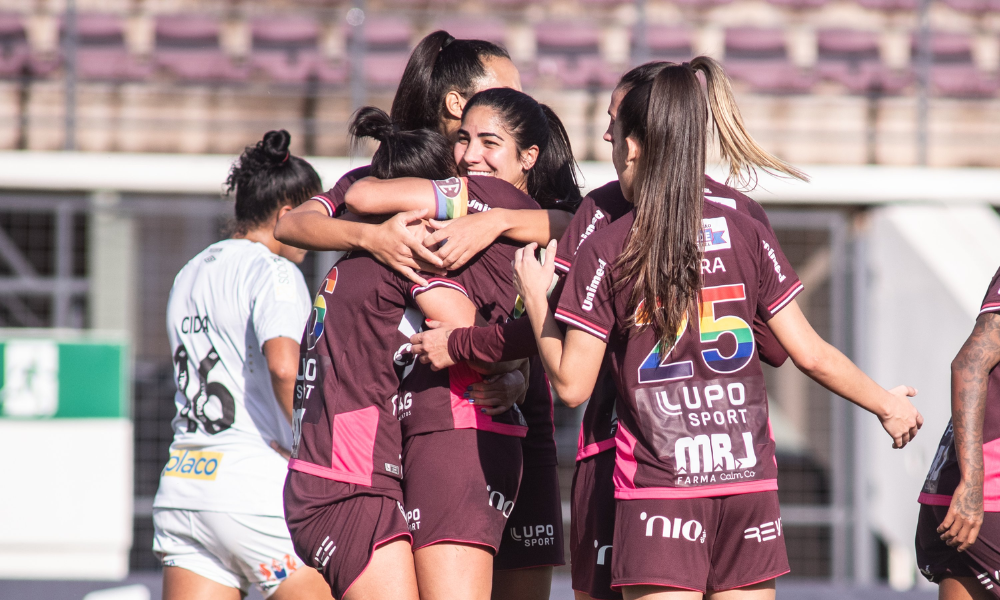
pixel 485 147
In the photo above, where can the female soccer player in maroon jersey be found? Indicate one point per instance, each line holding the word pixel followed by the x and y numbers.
pixel 342 494
pixel 507 141
pixel 695 478
pixel 442 75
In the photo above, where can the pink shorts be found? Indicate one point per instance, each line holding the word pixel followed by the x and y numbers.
pixel 701 544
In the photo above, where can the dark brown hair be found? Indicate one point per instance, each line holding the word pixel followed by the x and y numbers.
pixel 667 117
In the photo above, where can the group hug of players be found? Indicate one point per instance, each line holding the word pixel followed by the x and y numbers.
pixel 395 438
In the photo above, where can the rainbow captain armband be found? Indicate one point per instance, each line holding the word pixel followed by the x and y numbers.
pixel 452 198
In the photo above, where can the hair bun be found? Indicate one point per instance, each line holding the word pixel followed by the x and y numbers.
pixel 372 122
pixel 275 145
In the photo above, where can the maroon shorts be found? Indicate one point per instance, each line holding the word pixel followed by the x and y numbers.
pixel 592 528
pixel 937 560
pixel 460 486
pixel 701 544
pixel 338 537
pixel 533 536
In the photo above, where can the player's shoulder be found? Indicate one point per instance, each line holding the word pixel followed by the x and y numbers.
pixel 725 228
pixel 333 198
pixel 610 199
pixel 612 238
pixel 720 193
pixel 497 193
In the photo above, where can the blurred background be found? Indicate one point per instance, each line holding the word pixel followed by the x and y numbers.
pixel 120 118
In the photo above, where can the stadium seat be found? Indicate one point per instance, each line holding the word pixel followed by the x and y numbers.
pixel 567 37
pixel 771 76
pixel 947 47
pixel 187 31
pixel 757 44
pixel 200 65
pixel 975 6
pixel 666 42
pixel 384 69
pixel 847 43
pixel 94 29
pixel 864 76
pixel 334 73
pixel 388 32
pixel 110 64
pixel 13 59
pixel 284 32
pixel 799 3
pixel 906 5
pixel 491 30
pixel 286 67
pixel 963 81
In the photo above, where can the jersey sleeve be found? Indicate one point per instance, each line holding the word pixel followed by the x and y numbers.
pixel 575 232
pixel 333 199
pixel 778 284
pixel 512 340
pixel 497 193
pixel 281 303
pixel 991 303
pixel 437 282
pixel 586 300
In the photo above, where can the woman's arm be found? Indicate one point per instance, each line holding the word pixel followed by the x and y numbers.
pixel 970 373
pixel 310 227
pixel 494 395
pixel 572 363
pixel 371 196
pixel 830 368
pixel 469 235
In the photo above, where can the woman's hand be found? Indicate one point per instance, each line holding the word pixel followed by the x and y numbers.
pixel 902 420
pixel 465 236
pixel 961 524
pixel 534 278
pixel 431 346
pixel 497 394
pixel 395 246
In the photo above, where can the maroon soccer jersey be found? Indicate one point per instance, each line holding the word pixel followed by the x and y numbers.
pixel 345 425
pixel 944 473
pixel 434 399
pixel 333 199
pixel 693 420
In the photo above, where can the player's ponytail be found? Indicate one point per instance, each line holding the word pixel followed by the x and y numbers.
pixel 741 151
pixel 266 177
pixel 667 118
pixel 417 153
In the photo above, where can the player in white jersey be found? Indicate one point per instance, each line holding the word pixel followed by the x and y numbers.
pixel 235 317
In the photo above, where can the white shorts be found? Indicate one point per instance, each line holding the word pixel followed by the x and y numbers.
pixel 232 549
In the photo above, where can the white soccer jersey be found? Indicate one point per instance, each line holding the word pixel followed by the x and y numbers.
pixel 225 303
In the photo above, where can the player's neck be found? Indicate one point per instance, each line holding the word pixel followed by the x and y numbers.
pixel 262 235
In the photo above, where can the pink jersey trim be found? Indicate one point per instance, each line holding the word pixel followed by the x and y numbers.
pixel 375 547
pixel 437 282
pixel 657 584
pixel 991 307
pixel 945 500
pixel 595 448
pixel 454 541
pixel 352 448
pixel 468 416
pixel 625 464
pixel 575 321
pixel 327 473
pixel 786 297
pixel 768 578
pixel 934 499
pixel 705 491
pixel 562 264
pixel 326 204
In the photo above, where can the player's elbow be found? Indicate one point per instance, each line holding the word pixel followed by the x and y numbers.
pixel 571 395
pixel 361 199
pixel 282 373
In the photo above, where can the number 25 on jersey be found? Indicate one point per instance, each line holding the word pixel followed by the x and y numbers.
pixel 657 366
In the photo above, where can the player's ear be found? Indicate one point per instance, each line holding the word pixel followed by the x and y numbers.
pixel 284 210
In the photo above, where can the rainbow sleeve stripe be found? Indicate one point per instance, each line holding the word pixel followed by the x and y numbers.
pixel 452 197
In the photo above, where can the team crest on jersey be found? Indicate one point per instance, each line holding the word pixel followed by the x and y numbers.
pixel 715 234
pixel 315 327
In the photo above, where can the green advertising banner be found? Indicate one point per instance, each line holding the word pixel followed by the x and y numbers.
pixel 62 377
